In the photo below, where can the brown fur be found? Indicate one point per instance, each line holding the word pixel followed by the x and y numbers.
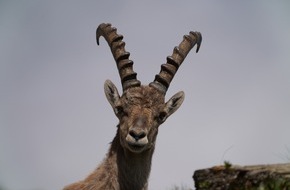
pixel 119 171
pixel 127 167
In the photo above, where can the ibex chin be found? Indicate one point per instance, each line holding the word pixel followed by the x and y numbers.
pixel 141 109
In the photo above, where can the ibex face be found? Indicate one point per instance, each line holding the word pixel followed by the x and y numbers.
pixel 141 109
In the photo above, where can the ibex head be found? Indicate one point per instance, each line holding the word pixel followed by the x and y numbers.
pixel 141 109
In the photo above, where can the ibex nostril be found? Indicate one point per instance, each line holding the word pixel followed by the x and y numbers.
pixel 137 135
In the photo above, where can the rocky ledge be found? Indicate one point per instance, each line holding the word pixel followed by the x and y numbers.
pixel 232 177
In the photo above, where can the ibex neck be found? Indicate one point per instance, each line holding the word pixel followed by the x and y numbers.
pixel 133 169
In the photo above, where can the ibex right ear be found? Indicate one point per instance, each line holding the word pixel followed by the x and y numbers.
pixel 112 93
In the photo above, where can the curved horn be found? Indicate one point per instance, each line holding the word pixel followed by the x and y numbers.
pixel 121 56
pixel 168 70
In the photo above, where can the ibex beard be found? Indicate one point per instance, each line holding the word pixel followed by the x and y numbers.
pixel 141 109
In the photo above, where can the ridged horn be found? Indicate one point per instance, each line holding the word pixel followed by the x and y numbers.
pixel 121 56
pixel 169 69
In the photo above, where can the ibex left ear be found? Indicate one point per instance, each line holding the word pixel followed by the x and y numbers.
pixel 112 93
pixel 174 103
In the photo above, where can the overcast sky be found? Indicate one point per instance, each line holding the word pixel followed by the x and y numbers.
pixel 56 124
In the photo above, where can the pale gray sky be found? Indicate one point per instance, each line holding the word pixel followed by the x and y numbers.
pixel 56 125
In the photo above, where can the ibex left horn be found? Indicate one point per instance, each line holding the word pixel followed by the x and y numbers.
pixel 121 56
pixel 169 69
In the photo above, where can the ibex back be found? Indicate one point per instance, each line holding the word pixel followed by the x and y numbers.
pixel 141 109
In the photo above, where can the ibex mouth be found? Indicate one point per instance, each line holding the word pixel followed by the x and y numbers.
pixel 136 145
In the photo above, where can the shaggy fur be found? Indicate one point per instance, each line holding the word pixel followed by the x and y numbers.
pixel 119 171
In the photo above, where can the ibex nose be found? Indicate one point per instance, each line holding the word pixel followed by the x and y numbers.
pixel 137 134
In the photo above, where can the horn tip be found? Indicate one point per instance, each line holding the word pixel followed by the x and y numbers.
pixel 99 31
pixel 197 48
pixel 98 37
pixel 199 40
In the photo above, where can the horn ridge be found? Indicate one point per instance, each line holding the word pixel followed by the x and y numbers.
pixel 125 66
pixel 172 61
pixel 171 69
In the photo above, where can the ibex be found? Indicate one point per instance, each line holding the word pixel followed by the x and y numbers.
pixel 141 109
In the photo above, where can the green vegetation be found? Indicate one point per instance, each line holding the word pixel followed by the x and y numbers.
pixel 227 165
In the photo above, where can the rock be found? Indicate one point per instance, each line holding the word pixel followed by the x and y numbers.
pixel 228 177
